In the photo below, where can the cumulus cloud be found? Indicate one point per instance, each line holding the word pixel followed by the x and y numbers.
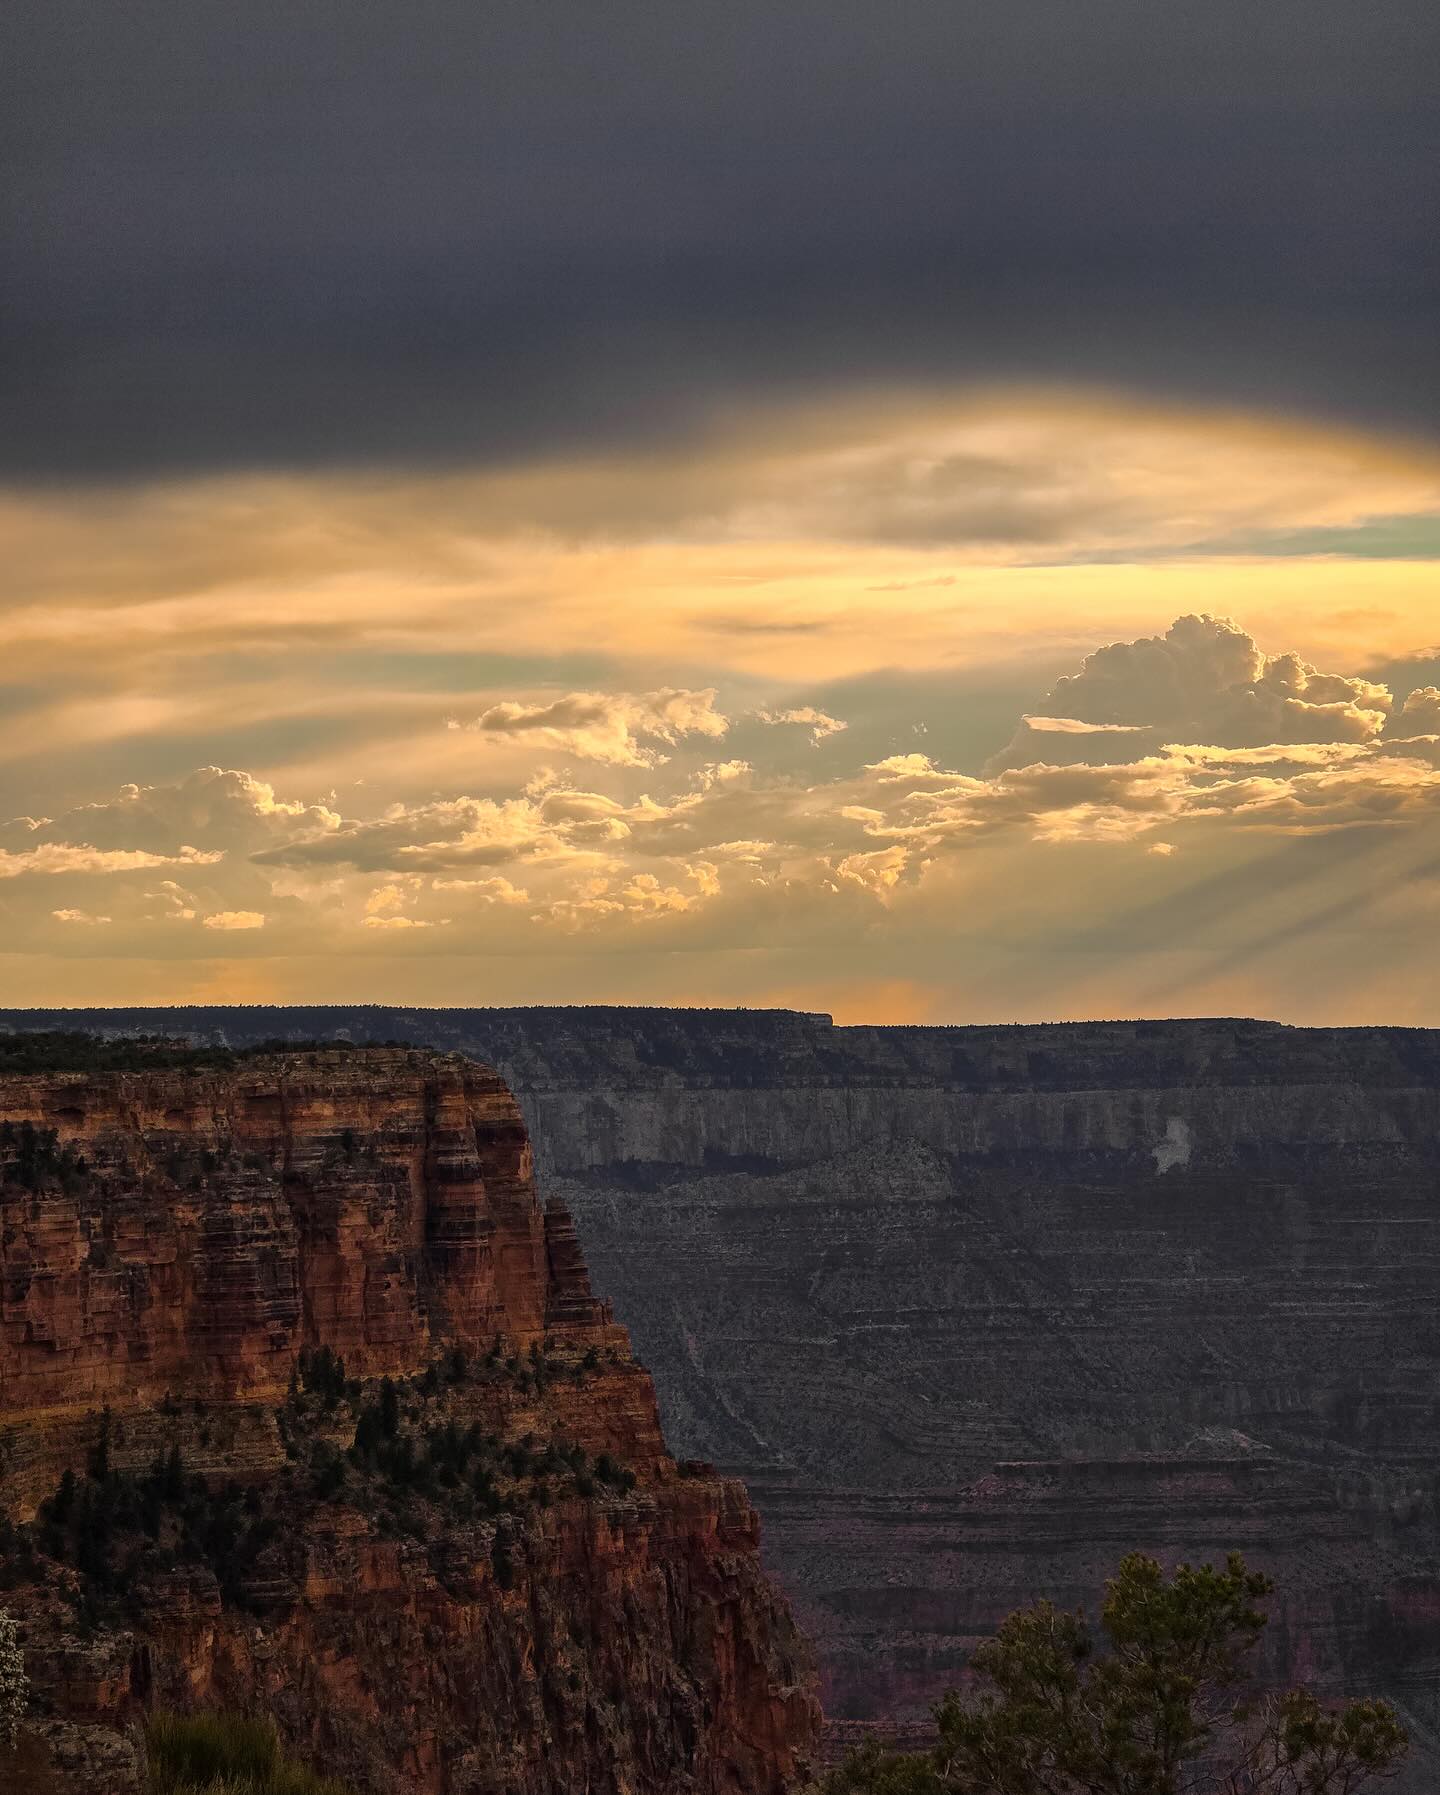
pixel 905 766
pixel 1419 715
pixel 942 811
pixel 176 903
pixel 818 722
pixel 1168 744
pixel 235 919
pixel 1204 681
pixel 618 728
pixel 723 772
pixel 212 808
pixel 1381 792
pixel 879 871
pixel 389 905
pixel 80 857
pixel 1074 726
pixel 498 890
pixel 433 835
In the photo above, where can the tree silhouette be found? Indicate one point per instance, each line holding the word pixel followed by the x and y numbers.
pixel 1162 1711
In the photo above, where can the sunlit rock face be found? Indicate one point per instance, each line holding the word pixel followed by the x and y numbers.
pixel 378 1204
pixel 177 1244
pixel 974 1311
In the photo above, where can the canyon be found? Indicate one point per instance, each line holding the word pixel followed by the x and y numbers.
pixel 975 1310
pixel 307 1407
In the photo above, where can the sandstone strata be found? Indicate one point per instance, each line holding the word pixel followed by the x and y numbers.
pixel 176 1248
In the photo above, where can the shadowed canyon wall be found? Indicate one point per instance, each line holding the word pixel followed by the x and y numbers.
pixel 975 1310
pixel 512 1587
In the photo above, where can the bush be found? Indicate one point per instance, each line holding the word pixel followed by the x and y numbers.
pixel 33 1158
pixel 72 1050
pixel 322 1373
pixel 225 1754
pixel 14 1684
pixel 75 1050
pixel 110 1524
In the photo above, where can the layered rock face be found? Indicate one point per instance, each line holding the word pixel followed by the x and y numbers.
pixel 510 1587
pixel 976 1310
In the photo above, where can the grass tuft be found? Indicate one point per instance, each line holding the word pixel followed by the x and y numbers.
pixel 225 1754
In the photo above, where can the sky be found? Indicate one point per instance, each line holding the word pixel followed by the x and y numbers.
pixel 929 512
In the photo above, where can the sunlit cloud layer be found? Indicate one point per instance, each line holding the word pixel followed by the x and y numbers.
pixel 620 728
pixel 909 708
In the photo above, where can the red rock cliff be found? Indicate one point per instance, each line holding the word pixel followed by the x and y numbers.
pixel 483 1573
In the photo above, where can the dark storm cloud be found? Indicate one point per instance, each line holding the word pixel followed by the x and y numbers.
pixel 274 233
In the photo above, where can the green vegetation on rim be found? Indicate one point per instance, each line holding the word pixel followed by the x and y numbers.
pixel 402 1452
pixel 73 1050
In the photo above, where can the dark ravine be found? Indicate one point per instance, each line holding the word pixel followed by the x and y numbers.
pixel 508 1586
pixel 975 1310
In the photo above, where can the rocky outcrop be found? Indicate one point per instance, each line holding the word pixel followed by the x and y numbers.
pixel 220 1223
pixel 358 1444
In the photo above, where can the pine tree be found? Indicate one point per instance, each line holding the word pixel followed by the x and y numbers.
pixel 1159 1704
